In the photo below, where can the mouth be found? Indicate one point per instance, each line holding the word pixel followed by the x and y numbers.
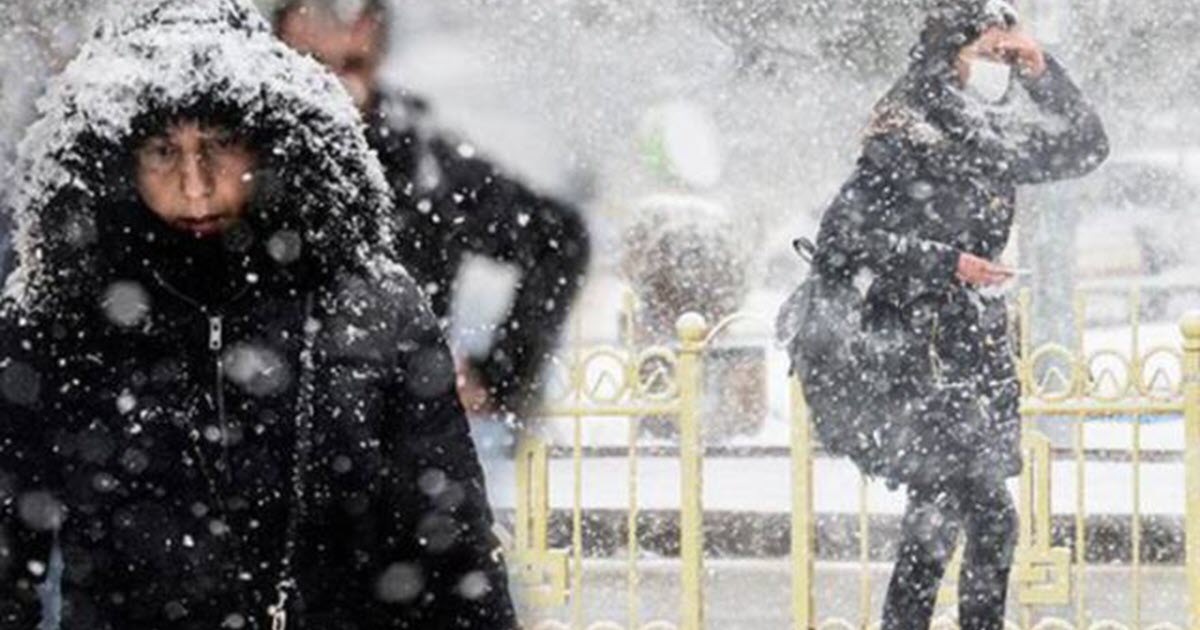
pixel 204 226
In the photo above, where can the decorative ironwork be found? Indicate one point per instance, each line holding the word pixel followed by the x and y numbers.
pixel 1059 384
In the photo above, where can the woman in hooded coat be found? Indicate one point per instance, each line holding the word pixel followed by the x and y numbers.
pixel 928 212
pixel 226 423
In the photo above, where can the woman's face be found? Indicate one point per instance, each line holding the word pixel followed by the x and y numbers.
pixel 989 46
pixel 197 178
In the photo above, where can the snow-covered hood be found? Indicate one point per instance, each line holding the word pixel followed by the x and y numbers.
pixel 952 24
pixel 949 26
pixel 151 56
pixel 925 104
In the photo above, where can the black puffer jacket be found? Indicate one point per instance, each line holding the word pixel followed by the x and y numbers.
pixel 452 203
pixel 937 178
pixel 186 412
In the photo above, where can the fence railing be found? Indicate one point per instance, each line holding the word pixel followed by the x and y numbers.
pixel 1071 396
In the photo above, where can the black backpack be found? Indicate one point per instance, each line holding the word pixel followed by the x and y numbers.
pixel 821 327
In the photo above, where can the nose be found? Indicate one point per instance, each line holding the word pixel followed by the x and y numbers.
pixel 197 180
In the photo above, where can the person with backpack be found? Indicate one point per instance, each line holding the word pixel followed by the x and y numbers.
pixel 916 380
pixel 218 388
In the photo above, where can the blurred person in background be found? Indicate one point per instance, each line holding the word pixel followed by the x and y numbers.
pixel 452 204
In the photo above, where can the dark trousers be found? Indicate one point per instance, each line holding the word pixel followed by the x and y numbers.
pixel 935 516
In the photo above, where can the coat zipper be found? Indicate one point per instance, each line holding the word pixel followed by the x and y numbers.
pixel 276 612
pixel 216 343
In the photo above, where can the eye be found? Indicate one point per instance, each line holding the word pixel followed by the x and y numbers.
pixel 158 151
pixel 219 140
pixel 220 145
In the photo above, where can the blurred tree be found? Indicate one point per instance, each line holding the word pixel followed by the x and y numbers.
pixel 1139 55
pixel 773 36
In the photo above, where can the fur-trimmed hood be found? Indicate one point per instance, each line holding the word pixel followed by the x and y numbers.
pixel 170 57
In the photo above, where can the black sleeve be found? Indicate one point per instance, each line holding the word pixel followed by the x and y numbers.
pixel 866 226
pixel 28 510
pixel 1073 141
pixel 550 245
pixel 439 491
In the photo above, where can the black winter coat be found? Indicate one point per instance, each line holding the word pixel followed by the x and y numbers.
pixel 172 445
pixel 209 424
pixel 452 203
pixel 937 178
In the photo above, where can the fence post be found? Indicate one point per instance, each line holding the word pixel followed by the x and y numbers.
pixel 691 328
pixel 531 493
pixel 540 572
pixel 803 523
pixel 1191 411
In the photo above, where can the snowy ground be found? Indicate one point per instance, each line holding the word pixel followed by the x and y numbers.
pixel 755 595
pixel 763 485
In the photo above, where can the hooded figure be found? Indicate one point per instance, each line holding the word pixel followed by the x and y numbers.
pixel 239 431
pixel 918 377
pixel 937 179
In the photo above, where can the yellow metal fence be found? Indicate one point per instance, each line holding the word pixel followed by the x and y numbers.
pixel 1062 386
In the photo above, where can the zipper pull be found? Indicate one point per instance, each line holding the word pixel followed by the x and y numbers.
pixel 215 333
pixel 278 611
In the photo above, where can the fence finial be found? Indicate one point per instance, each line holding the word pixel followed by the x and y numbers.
pixel 691 327
pixel 1191 327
